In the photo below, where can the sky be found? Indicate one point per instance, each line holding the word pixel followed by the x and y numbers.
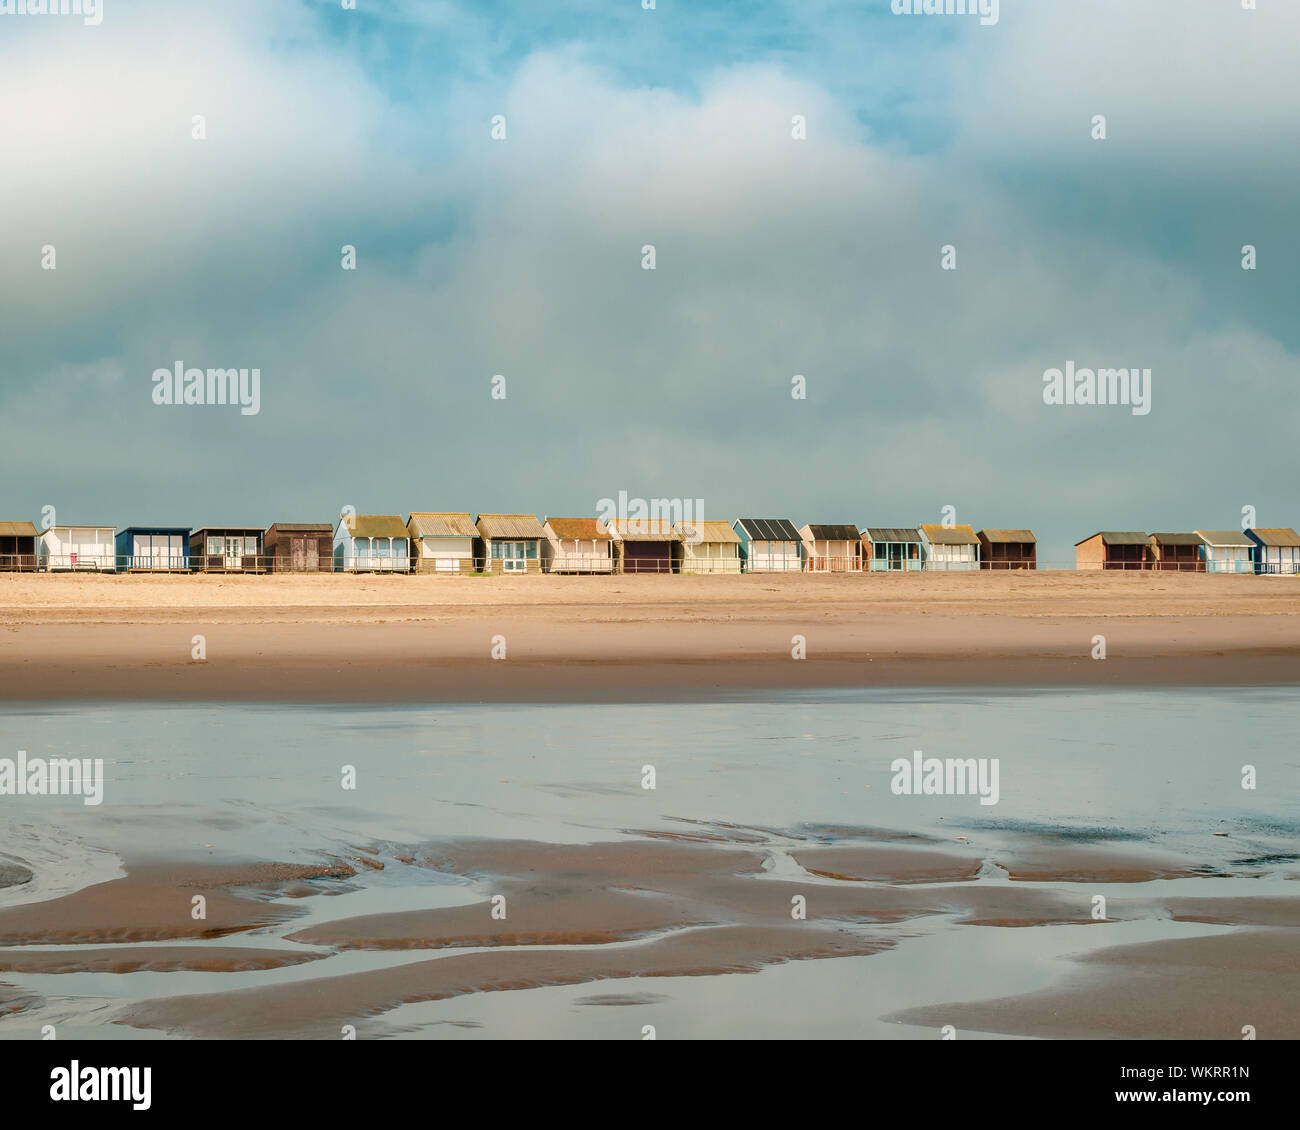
pixel 774 257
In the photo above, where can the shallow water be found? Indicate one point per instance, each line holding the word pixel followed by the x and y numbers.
pixel 1162 767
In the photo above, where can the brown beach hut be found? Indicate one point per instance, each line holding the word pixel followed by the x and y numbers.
pixel 227 549
pixel 1113 550
pixel 17 547
pixel 644 545
pixel 1180 553
pixel 509 543
pixel 1008 549
pixel 300 547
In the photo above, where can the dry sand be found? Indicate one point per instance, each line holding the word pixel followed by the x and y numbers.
pixel 430 639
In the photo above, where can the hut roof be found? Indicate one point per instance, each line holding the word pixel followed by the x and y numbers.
pixel 892 533
pixel 300 528
pixel 1224 537
pixel 579 529
pixel 1177 539
pixel 522 526
pixel 713 530
pixel 1009 536
pixel 375 526
pixel 950 535
pixel 769 529
pixel 643 529
pixel 17 530
pixel 1110 537
pixel 1277 537
pixel 834 533
pixel 426 524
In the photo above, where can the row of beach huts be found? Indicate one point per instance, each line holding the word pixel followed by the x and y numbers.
pixel 452 543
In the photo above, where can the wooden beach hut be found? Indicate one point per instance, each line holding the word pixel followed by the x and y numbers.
pixel 1276 550
pixel 76 549
pixel 644 545
pixel 371 543
pixel 707 547
pixel 1177 553
pixel 1227 551
pixel 17 547
pixel 153 549
pixel 949 548
pixel 509 543
pixel 831 549
pixel 299 547
pixel 577 545
pixel 1008 549
pixel 891 549
pixel 441 542
pixel 1112 549
pixel 227 549
pixel 769 545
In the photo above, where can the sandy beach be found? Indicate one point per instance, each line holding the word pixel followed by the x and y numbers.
pixel 678 898
pixel 430 639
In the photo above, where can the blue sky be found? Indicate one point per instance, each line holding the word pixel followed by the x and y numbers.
pixel 775 257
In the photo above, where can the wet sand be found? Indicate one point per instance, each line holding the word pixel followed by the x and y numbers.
pixel 1206 988
pixel 670 908
pixel 429 639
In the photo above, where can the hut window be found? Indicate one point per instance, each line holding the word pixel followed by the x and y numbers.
pixel 215 547
pixel 532 551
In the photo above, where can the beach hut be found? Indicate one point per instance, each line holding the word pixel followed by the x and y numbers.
pixel 891 549
pixel 153 549
pixel 371 543
pixel 227 549
pixel 441 542
pixel 707 547
pixel 1008 549
pixel 76 548
pixel 299 547
pixel 1177 553
pixel 644 545
pixel 1276 550
pixel 1227 551
pixel 577 545
pixel 831 549
pixel 949 548
pixel 17 547
pixel 509 543
pixel 769 545
pixel 1113 550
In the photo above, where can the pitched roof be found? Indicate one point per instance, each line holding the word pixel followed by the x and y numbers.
pixel 17 530
pixel 950 535
pixel 643 529
pixel 833 533
pixel 1177 539
pixel 1110 537
pixel 1010 536
pixel 375 526
pixel 712 530
pixel 891 533
pixel 1276 536
pixel 425 524
pixel 579 529
pixel 1224 537
pixel 769 529
pixel 524 527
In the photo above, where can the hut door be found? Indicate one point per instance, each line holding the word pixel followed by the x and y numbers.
pixel 234 553
pixel 300 561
